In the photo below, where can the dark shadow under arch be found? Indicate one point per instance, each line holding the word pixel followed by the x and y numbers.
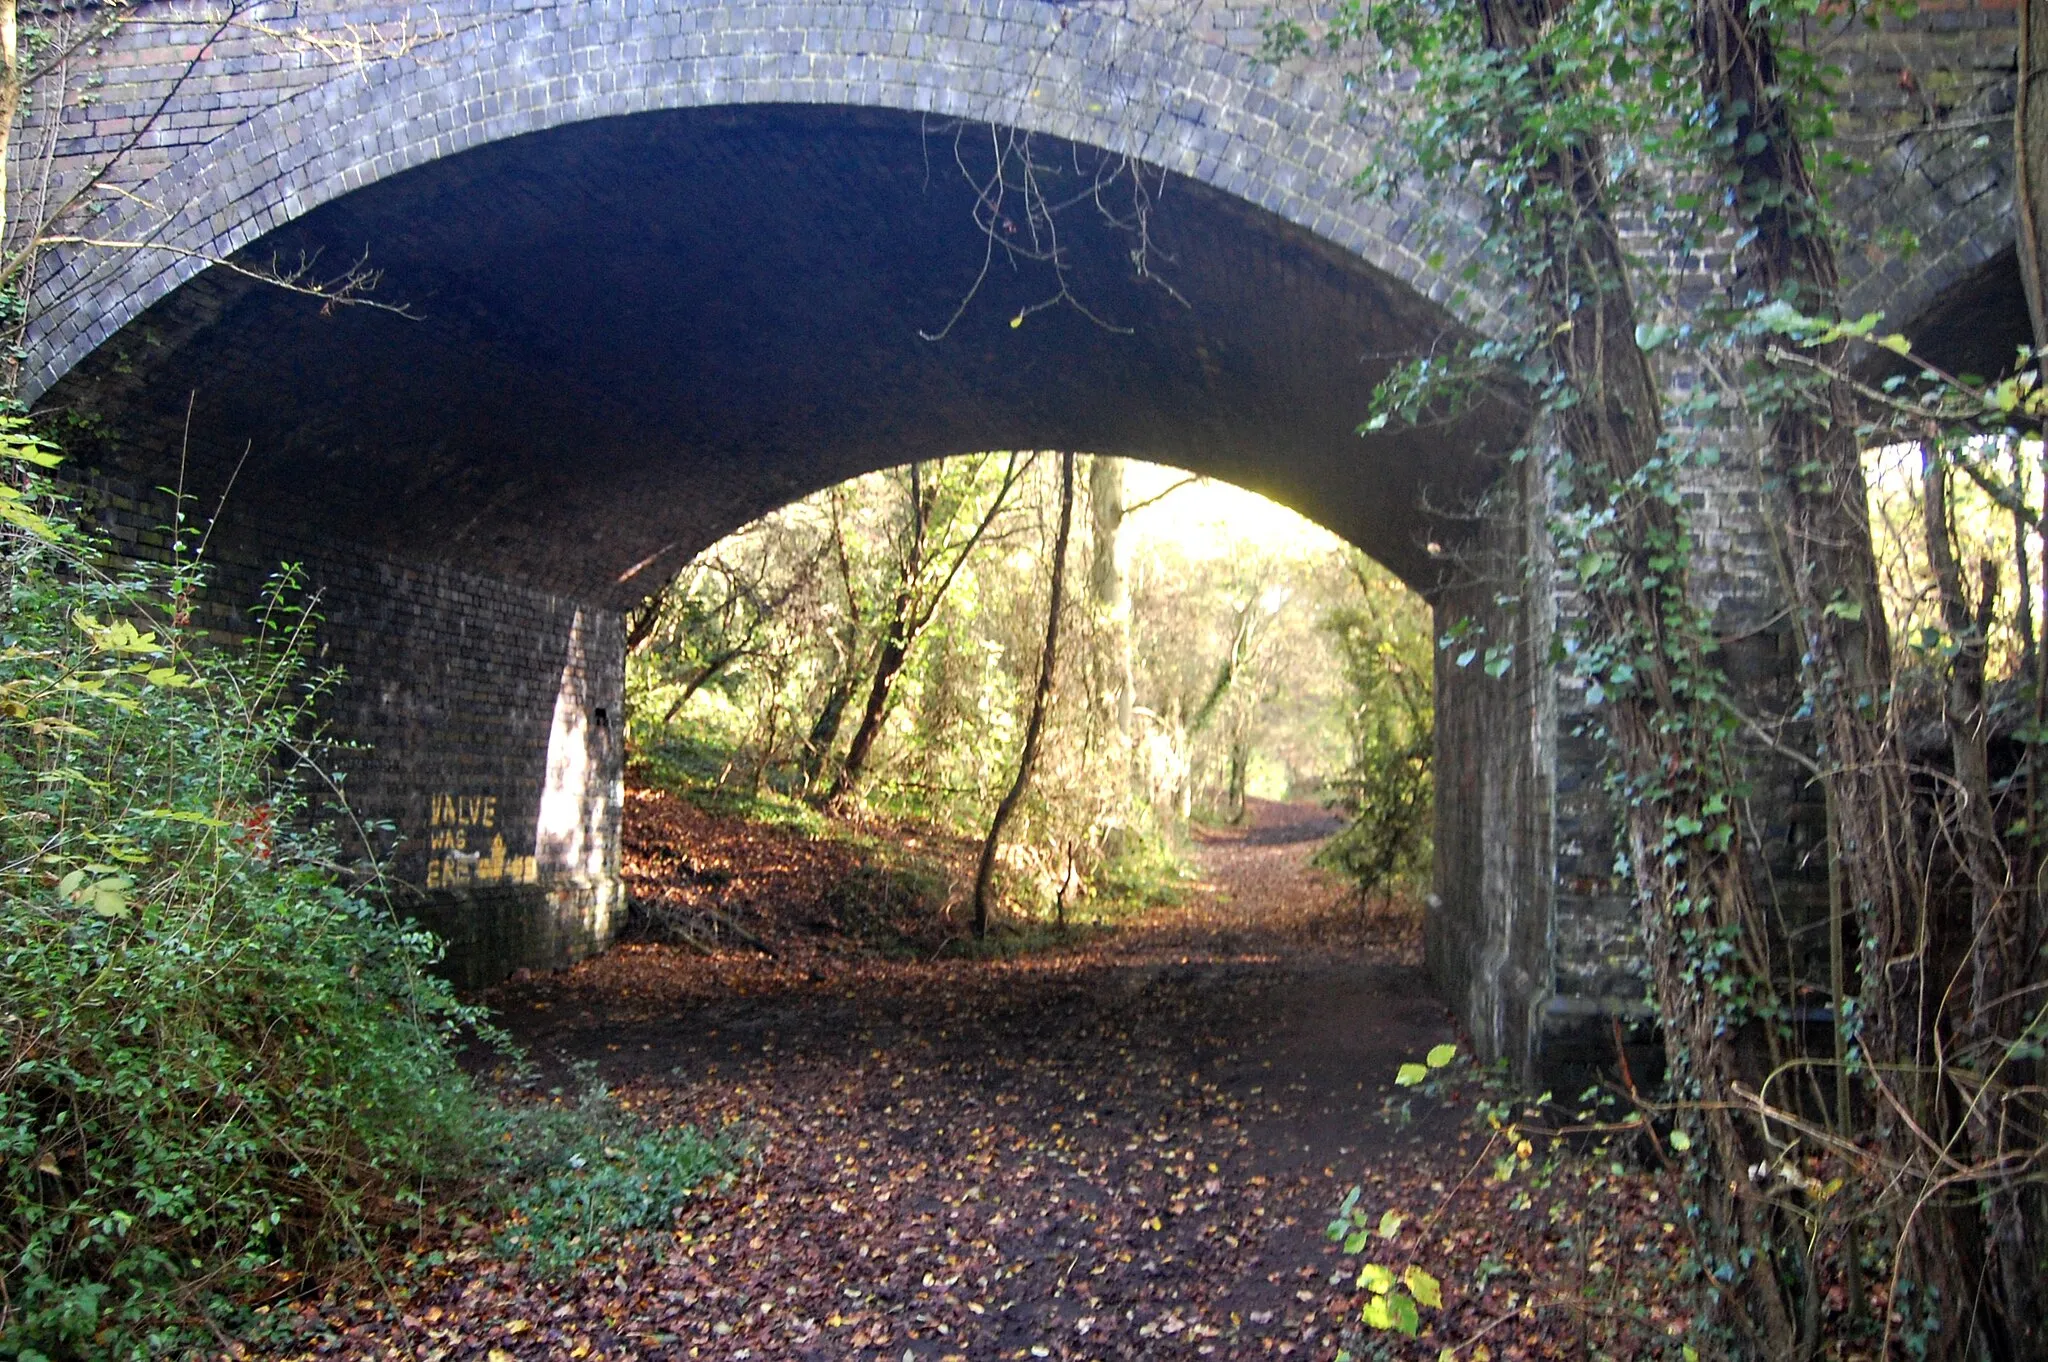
pixel 635 334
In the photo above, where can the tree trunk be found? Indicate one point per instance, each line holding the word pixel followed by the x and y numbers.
pixel 825 728
pixel 895 652
pixel 704 674
pixel 10 106
pixel 640 624
pixel 1814 489
pixel 1686 848
pixel 895 649
pixel 1110 587
pixel 910 615
pixel 1240 773
pixel 1034 728
pixel 2030 164
pixel 2008 1240
pixel 2030 206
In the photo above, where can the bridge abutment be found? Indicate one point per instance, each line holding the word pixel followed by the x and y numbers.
pixel 470 762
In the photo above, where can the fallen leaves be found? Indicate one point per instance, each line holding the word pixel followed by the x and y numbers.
pixel 1124 1149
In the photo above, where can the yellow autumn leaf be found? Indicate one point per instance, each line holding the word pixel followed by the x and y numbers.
pixel 1424 1287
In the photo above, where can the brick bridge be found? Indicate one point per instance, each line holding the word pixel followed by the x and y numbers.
pixel 667 264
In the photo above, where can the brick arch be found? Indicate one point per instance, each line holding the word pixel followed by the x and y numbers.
pixel 478 681
pixel 1927 101
pixel 1279 141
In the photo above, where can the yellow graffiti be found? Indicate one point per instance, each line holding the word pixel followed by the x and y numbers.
pixel 464 811
pixel 454 821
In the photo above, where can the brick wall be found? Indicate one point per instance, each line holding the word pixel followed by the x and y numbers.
pixel 1495 907
pixel 478 724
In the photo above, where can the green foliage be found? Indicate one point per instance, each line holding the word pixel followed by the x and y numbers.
pixel 583 1178
pixel 1388 788
pixel 891 903
pixel 1555 125
pixel 677 767
pixel 216 1059
pixel 1394 1300
pixel 1411 1075
pixel 1143 871
pixel 1231 688
pixel 1580 1172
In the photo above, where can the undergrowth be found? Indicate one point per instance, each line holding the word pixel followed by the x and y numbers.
pixel 585 1176
pixel 684 769
pixel 219 1068
pixel 1557 1232
pixel 1145 872
pixel 215 1059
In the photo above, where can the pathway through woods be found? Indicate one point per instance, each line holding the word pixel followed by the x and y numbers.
pixel 1127 1149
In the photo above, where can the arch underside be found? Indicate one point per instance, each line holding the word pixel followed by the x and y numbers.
pixel 628 336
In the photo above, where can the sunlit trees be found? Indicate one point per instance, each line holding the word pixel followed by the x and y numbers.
pixel 1388 784
pixel 1194 670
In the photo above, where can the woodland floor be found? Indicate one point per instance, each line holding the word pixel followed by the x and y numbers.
pixel 1126 1147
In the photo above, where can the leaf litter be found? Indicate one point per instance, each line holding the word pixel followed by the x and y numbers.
pixel 1128 1146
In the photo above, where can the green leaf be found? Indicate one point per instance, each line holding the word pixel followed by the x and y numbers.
pixel 105 896
pixel 1390 1224
pixel 1680 1141
pixel 183 816
pixel 1410 1074
pixel 1784 319
pixel 1357 1240
pixel 1407 1318
pixel 1424 1287
pixel 1376 1279
pixel 27 521
pixel 1441 1055
pixel 32 452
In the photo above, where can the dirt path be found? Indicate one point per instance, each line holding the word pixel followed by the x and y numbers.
pixel 1123 1151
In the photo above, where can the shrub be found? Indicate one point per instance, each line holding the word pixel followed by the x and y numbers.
pixel 1142 871
pixel 1388 788
pixel 213 1059
pixel 582 1178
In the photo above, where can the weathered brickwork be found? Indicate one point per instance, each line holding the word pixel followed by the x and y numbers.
pixel 471 571
pixel 1493 912
pixel 342 114
pixel 476 725
pixel 1928 105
